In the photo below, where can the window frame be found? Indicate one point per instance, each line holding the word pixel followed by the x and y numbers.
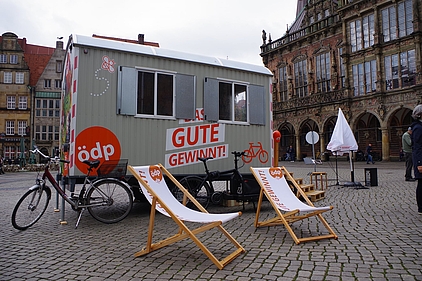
pixel 22 124
pixel 3 58
pixel 19 77
pixel 283 83
pixel 13 59
pixel 7 77
pixel 364 78
pixel 323 72
pixel 10 127
pixel 47 83
pixel 11 102
pixel 361 33
pixel 23 102
pixel 397 20
pixel 229 116
pixel 301 78
pixel 184 93
pixel 394 69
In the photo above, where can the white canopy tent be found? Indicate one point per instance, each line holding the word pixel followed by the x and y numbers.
pixel 343 141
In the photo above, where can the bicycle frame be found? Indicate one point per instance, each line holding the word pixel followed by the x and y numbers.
pixel 234 173
pixel 108 200
pixel 76 204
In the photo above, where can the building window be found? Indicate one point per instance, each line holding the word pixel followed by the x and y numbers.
pixel 56 133
pixel 20 77
pixel 362 33
pixel 301 80
pixel 323 74
pixel 232 102
pixel 155 94
pixel 23 102
pixel 370 76
pixel 283 83
pixel 59 66
pixel 22 128
pixel 397 20
pixel 364 77
pixel 47 133
pixel 57 109
pixel 13 59
pixel 400 69
pixel 57 83
pixel 8 77
pixel 9 152
pixel 47 83
pixel 3 58
pixel 342 68
pixel 11 102
pixel 10 127
pixel 47 108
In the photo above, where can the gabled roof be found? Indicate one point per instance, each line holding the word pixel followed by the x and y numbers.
pixel 36 57
pixel 300 15
pixel 36 63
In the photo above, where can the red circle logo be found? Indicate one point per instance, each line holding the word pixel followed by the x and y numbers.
pixel 276 172
pixel 96 143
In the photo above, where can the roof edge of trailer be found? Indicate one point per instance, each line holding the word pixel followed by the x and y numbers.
pixel 160 52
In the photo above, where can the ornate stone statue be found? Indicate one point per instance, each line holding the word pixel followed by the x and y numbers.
pixel 264 37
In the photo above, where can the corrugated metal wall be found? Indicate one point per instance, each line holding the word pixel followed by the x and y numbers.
pixel 143 140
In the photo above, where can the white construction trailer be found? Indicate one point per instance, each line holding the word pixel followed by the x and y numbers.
pixel 151 105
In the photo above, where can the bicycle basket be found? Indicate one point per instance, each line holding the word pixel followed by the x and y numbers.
pixel 113 168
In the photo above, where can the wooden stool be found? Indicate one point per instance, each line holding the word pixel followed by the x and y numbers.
pixel 320 177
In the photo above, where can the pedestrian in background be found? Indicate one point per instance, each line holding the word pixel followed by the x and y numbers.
pixel 416 138
pixel 407 150
pixel 369 154
pixel 290 152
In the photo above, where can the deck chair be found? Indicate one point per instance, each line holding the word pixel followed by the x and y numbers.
pixel 275 187
pixel 155 189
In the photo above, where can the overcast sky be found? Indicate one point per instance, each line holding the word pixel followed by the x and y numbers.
pixel 220 28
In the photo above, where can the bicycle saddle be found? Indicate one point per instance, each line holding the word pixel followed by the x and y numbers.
pixel 92 164
pixel 204 159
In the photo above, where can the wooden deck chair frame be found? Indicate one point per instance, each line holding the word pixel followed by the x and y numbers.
pixel 183 232
pixel 288 217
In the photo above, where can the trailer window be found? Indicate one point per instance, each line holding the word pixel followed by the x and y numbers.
pixel 155 94
pixel 232 102
pixel 147 93
pixel 229 102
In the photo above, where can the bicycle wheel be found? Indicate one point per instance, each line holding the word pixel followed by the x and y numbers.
pixel 247 158
pixel 30 207
pixel 201 191
pixel 263 156
pixel 112 200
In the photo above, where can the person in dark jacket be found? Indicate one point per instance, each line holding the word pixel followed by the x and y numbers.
pixel 417 152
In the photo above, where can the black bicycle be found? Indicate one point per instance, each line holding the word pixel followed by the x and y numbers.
pixel 202 188
pixel 108 200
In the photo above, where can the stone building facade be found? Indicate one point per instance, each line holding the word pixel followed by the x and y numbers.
pixel 15 107
pixel 361 56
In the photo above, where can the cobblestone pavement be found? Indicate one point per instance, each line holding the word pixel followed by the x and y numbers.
pixel 379 233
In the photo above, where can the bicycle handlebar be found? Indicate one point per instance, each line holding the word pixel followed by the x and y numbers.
pixel 55 158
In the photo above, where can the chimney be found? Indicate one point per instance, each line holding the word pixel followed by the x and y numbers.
pixel 59 45
pixel 141 39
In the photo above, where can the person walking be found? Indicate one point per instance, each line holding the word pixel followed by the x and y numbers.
pixel 416 138
pixel 407 149
pixel 290 152
pixel 369 154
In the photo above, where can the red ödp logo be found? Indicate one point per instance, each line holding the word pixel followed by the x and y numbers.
pixel 96 143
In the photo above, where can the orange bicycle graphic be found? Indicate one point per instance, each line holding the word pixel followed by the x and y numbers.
pixel 254 151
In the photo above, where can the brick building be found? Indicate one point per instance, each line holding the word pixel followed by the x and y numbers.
pixel 362 56
pixel 30 85
pixel 15 97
